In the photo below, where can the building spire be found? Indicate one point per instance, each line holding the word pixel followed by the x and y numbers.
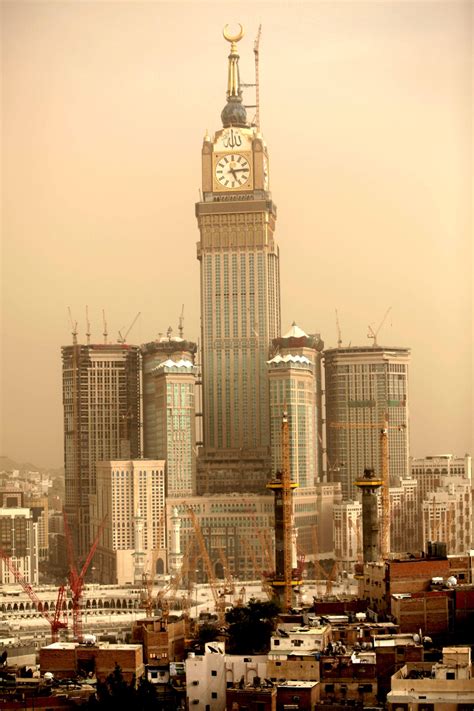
pixel 234 113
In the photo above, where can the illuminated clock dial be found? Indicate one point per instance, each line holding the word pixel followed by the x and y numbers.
pixel 232 170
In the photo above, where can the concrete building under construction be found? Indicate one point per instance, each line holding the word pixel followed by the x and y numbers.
pixel 101 399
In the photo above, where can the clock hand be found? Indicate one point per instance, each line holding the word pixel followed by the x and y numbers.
pixel 239 170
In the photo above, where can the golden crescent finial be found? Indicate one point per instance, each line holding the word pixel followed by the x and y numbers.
pixel 233 38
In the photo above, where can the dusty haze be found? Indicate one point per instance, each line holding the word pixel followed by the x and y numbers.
pixel 366 109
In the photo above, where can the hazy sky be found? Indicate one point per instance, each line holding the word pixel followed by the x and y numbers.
pixel 366 110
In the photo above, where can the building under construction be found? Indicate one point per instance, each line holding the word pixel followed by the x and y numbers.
pixel 101 398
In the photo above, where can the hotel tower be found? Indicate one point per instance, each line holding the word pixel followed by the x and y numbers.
pixel 240 297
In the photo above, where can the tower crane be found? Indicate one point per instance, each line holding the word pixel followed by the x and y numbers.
pixel 123 339
pixel 76 579
pixel 338 327
pixel 373 334
pixel 219 600
pixel 54 620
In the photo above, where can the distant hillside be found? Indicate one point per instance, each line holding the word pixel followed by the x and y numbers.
pixel 7 465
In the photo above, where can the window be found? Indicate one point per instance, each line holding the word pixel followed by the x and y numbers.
pixel 213 672
pixel 214 695
pixel 329 687
pixel 276 642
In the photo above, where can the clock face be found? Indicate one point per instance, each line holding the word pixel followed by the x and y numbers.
pixel 232 171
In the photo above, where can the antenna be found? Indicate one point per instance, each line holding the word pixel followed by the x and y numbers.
pixel 339 337
pixel 105 327
pixel 88 326
pixel 181 321
pixel 373 334
pixel 256 46
pixel 122 339
pixel 73 327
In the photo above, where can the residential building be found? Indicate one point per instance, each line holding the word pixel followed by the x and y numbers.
pixel 240 287
pixel 130 500
pixel 101 398
pixel 65 660
pixel 447 515
pixel 363 385
pixel 209 675
pixel 169 413
pixel 449 684
pixel 404 518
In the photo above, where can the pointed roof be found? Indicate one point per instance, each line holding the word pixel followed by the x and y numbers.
pixel 295 332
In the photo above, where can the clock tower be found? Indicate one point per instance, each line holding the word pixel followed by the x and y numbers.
pixel 240 296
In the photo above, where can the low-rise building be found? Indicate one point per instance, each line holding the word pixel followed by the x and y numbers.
pixel 349 677
pixel 294 653
pixel 251 698
pixel 295 694
pixel 209 675
pixel 423 685
pixel 65 660
pixel 162 641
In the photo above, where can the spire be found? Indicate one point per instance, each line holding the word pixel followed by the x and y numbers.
pixel 234 113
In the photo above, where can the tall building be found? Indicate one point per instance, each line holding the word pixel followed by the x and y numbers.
pixel 348 533
pixel 362 386
pixel 293 383
pixel 131 497
pixel 169 417
pixel 101 398
pixel 19 541
pixel 240 287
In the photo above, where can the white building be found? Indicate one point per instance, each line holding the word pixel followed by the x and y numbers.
pixel 447 515
pixel 127 489
pixel 348 533
pixel 208 675
pixel 424 685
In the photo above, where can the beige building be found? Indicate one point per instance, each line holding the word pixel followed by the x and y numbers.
pixel 240 283
pixel 294 379
pixel 236 526
pixel 18 541
pixel 348 533
pixel 443 686
pixel 362 386
pixel 169 414
pixel 447 515
pixel 404 518
pixel 131 495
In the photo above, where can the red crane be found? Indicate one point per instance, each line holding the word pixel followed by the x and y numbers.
pixel 76 579
pixel 54 621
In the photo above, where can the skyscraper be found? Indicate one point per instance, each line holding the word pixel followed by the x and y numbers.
pixel 169 420
pixel 240 284
pixel 294 375
pixel 363 385
pixel 101 398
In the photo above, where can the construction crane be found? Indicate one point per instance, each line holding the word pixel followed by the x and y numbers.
pixel 88 327
pixel 54 620
pixel 384 455
pixel 284 582
pixel 105 333
pixel 373 334
pixel 256 106
pixel 338 327
pixel 123 339
pixel 76 579
pixel 219 600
